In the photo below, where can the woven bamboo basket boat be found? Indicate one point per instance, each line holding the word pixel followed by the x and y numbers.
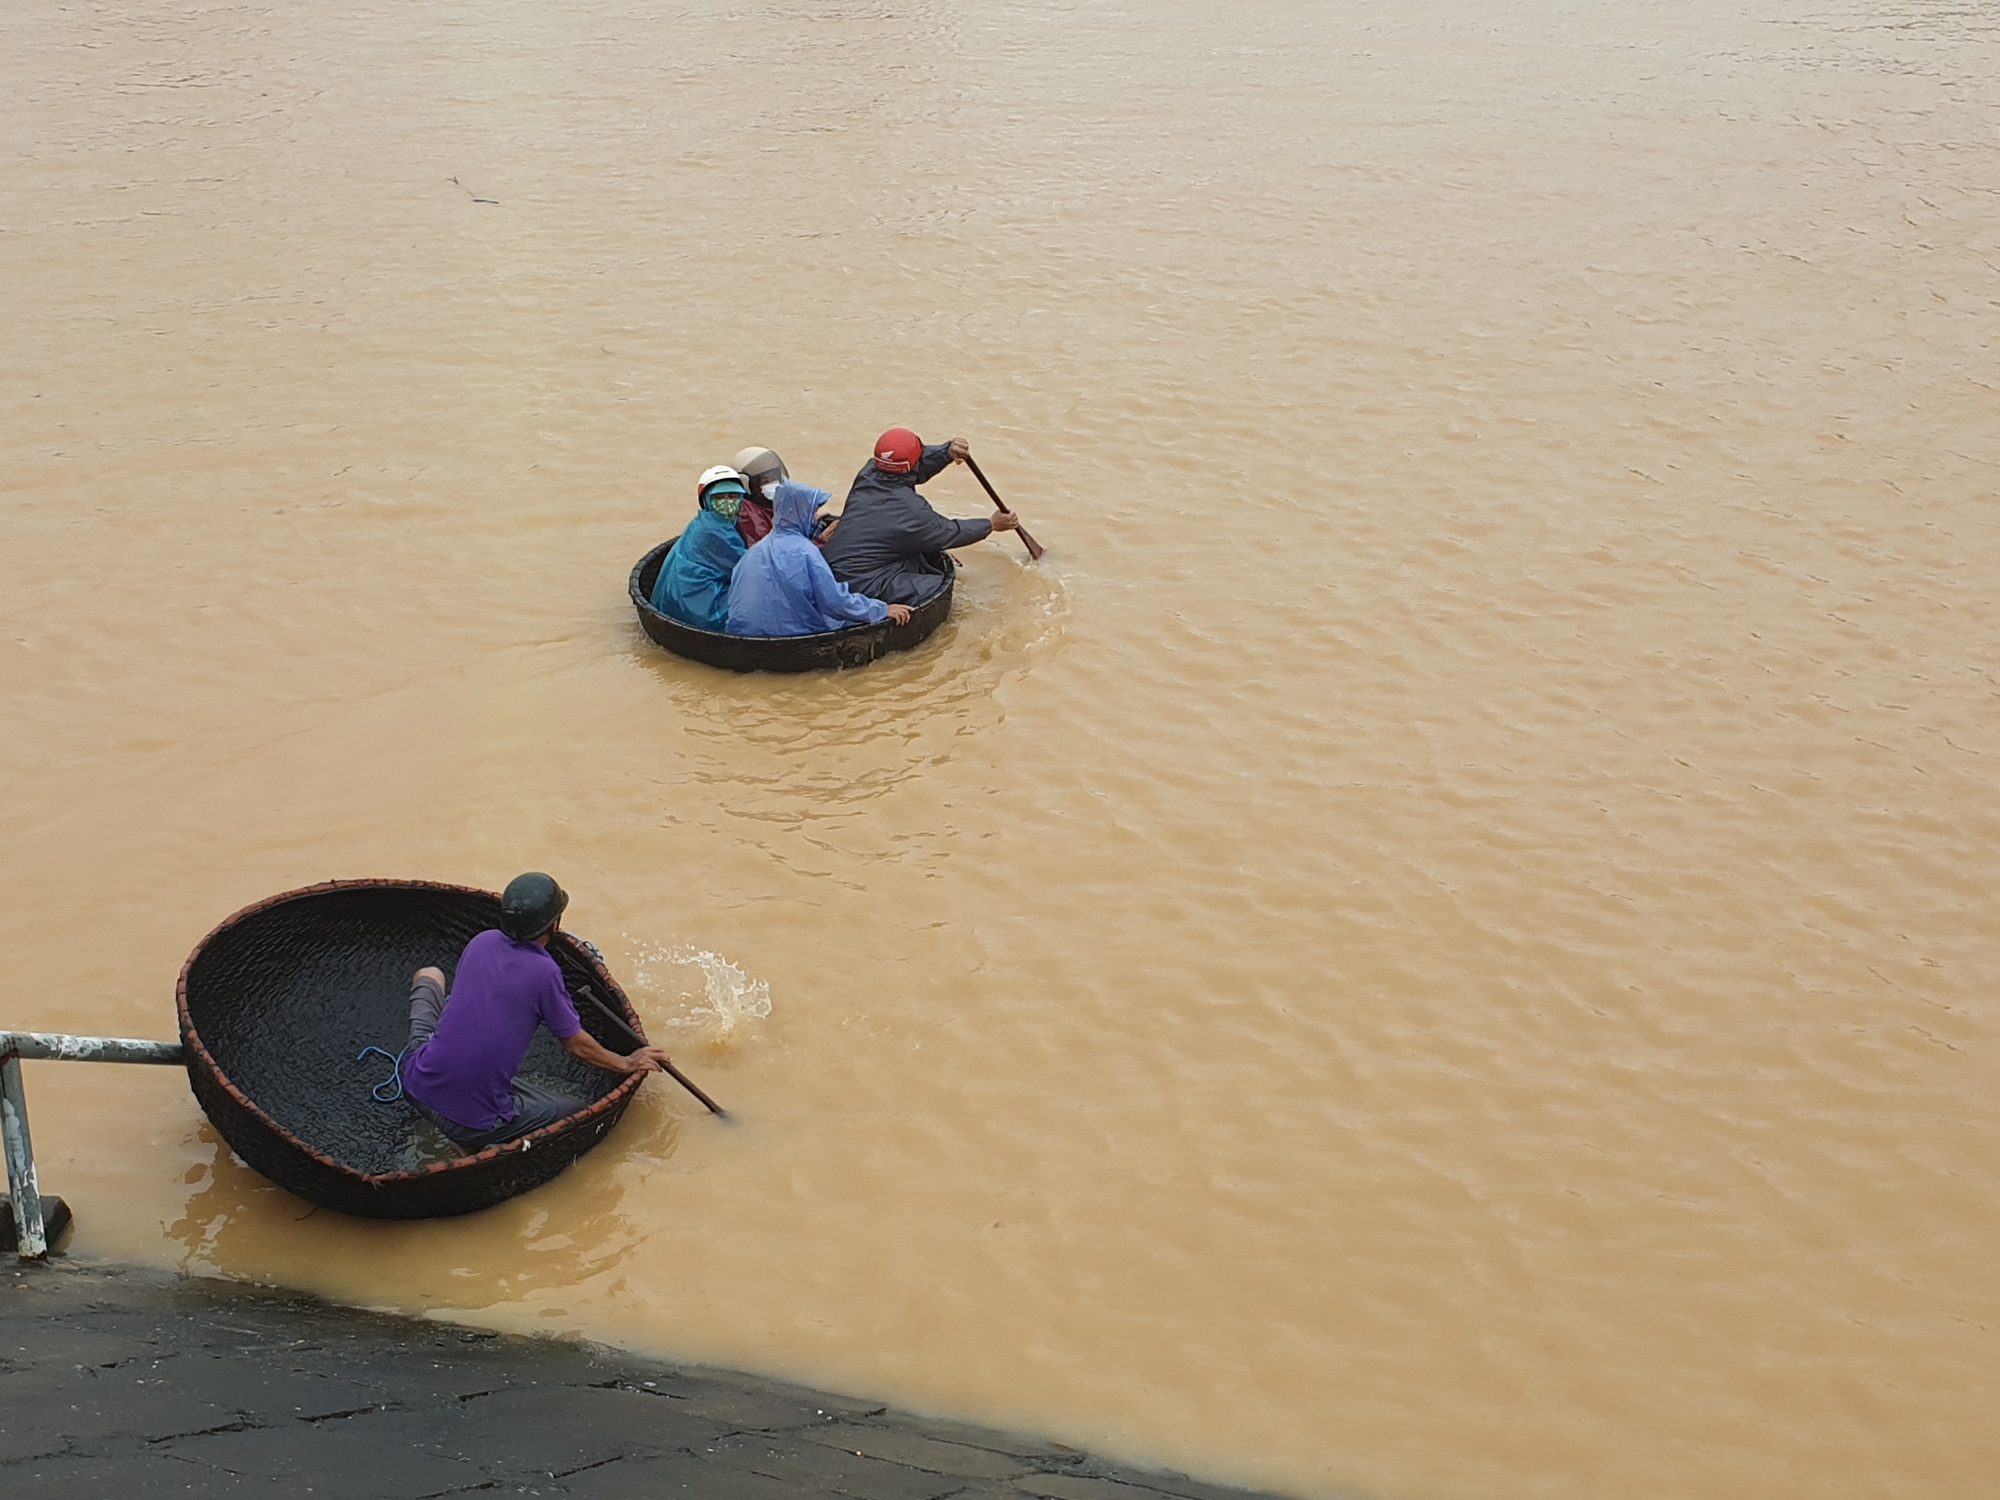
pixel 856 646
pixel 276 1002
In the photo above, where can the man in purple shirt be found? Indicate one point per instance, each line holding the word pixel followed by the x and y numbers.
pixel 464 1055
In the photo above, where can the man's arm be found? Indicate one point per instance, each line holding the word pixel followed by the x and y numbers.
pixel 586 1048
pixel 940 533
pixel 937 458
pixel 835 601
pixel 936 533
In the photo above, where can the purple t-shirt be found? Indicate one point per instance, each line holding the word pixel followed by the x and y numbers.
pixel 502 991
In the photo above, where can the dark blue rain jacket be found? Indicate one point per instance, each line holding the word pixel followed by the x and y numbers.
pixel 783 585
pixel 693 586
pixel 890 544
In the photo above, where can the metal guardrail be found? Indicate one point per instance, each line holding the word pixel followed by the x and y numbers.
pixel 23 1189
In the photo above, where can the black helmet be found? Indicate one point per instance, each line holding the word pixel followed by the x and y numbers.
pixel 531 905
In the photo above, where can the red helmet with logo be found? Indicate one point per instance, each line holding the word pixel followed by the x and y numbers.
pixel 898 451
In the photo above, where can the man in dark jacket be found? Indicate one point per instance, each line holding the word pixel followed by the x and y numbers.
pixel 890 544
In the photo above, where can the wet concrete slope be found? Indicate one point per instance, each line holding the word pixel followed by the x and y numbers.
pixel 129 1384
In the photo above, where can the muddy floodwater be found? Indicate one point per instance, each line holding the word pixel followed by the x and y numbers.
pixel 1442 944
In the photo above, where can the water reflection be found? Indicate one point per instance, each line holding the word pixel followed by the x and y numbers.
pixel 1003 617
pixel 787 750
pixel 240 1224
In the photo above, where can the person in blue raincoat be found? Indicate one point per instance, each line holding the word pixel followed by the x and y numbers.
pixel 693 586
pixel 783 585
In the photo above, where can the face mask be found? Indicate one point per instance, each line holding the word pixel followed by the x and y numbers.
pixel 770 491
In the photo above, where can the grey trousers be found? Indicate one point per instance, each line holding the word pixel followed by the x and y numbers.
pixel 534 1106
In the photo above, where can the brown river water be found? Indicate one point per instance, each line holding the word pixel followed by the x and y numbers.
pixel 1441 945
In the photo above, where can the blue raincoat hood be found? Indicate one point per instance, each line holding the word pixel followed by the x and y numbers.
pixel 795 505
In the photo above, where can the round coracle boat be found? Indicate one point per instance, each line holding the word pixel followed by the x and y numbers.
pixel 856 646
pixel 277 1003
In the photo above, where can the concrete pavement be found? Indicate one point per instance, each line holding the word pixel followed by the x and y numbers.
pixel 126 1384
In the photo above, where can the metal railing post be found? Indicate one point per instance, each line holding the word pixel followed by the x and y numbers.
pixel 31 1232
pixel 30 1235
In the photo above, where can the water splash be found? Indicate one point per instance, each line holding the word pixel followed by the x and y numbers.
pixel 725 999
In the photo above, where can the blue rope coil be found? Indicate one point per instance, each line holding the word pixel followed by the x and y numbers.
pixel 390 1089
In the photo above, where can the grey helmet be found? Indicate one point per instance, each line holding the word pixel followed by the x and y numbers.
pixel 761 466
pixel 531 905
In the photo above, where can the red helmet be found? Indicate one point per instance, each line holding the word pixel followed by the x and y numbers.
pixel 898 451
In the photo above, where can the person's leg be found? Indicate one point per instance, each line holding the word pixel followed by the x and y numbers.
pixel 536 1107
pixel 427 1002
pixel 454 1133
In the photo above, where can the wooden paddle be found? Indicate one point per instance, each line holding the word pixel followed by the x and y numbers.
pixel 1034 547
pixel 679 1077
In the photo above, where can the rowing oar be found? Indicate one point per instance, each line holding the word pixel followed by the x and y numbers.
pixel 1034 547
pixel 679 1077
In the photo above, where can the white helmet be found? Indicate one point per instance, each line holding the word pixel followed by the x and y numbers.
pixel 716 475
